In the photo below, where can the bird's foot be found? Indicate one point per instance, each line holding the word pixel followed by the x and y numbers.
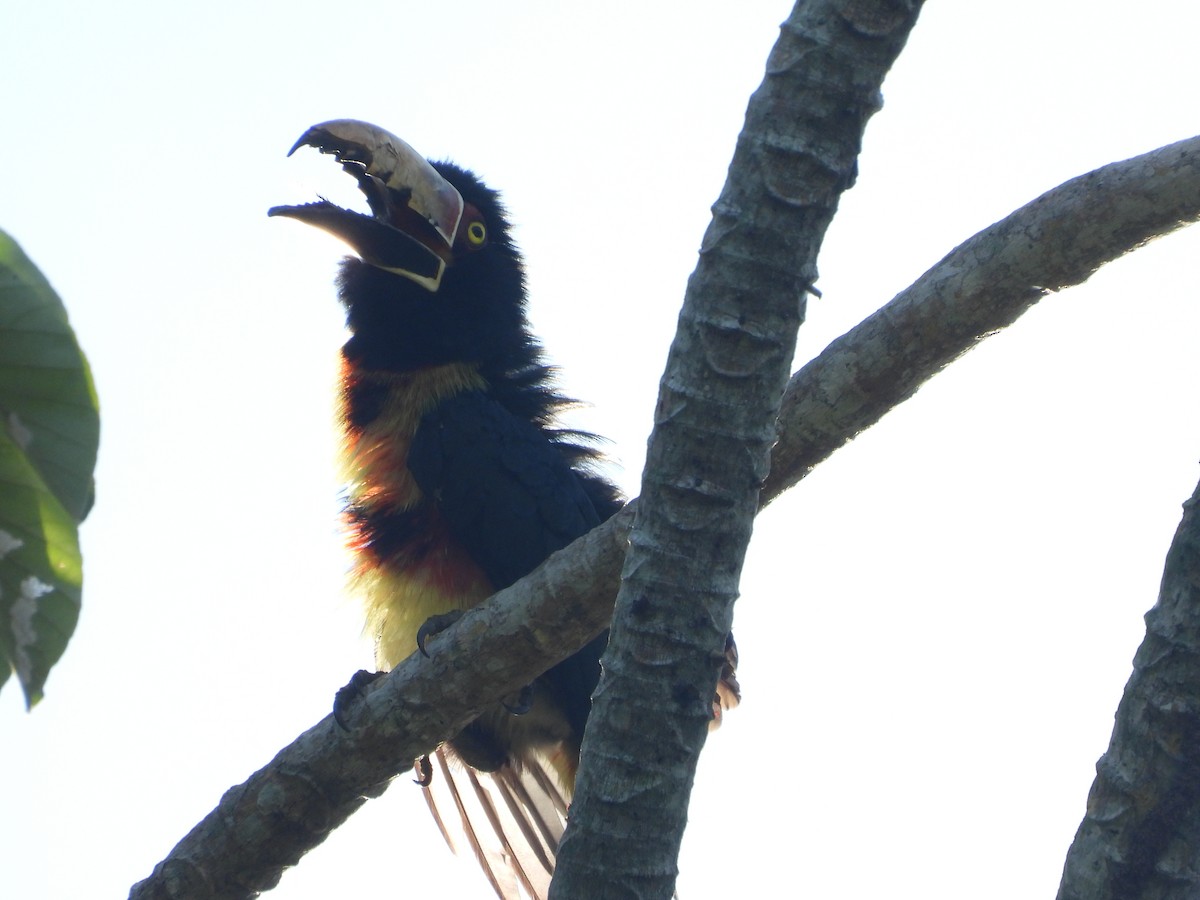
pixel 436 625
pixel 346 697
pixel 729 692
pixel 424 769
pixel 519 703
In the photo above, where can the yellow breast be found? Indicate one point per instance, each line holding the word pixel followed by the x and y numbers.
pixel 428 572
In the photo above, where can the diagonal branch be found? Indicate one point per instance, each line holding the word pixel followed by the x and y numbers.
pixel 981 286
pixel 290 806
pixel 315 783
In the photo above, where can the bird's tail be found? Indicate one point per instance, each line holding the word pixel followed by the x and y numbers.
pixel 510 819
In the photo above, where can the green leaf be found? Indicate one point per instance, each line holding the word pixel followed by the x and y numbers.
pixel 41 572
pixel 49 434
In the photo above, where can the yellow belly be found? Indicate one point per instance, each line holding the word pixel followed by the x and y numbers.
pixel 399 601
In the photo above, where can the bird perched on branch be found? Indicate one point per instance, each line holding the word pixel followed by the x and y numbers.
pixel 458 482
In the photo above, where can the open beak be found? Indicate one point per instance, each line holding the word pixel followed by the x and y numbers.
pixel 415 213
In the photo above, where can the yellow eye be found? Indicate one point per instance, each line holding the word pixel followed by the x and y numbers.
pixel 476 234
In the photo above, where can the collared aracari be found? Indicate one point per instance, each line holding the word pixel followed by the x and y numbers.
pixel 458 482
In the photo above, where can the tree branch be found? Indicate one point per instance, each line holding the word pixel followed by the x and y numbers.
pixel 1138 840
pixel 290 806
pixel 983 285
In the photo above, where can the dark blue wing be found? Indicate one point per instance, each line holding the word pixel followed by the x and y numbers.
pixel 505 489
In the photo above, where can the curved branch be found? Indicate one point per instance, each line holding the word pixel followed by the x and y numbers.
pixel 984 284
pixel 290 806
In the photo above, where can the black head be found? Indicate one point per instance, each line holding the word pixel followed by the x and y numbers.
pixel 437 278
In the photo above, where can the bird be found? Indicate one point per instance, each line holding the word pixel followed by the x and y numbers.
pixel 459 481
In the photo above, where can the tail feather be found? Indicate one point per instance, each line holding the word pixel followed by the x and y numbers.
pixel 498 876
pixel 433 809
pixel 532 829
pixel 552 800
pixel 542 810
pixel 514 861
pixel 511 820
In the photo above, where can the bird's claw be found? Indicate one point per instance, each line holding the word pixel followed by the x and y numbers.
pixel 521 702
pixel 424 769
pixel 729 693
pixel 354 690
pixel 436 625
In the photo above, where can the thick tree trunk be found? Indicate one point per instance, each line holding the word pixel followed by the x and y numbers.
pixel 710 450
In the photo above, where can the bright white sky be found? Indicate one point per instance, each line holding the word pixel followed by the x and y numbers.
pixel 935 627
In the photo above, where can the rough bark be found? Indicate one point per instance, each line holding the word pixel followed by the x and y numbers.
pixel 1140 838
pixel 288 807
pixel 321 778
pixel 709 452
pixel 980 287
